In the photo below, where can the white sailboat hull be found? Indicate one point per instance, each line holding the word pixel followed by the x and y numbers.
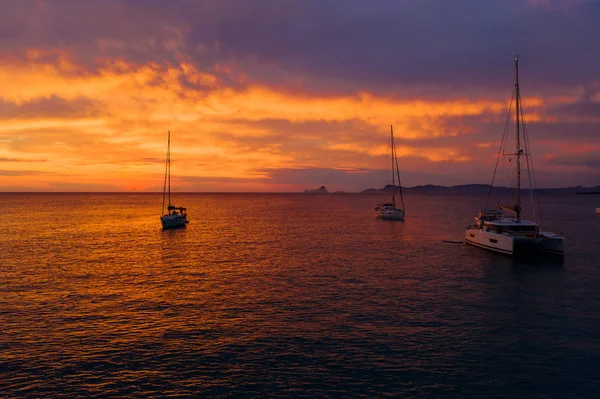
pixel 387 214
pixel 388 210
pixel 173 221
pixel 507 244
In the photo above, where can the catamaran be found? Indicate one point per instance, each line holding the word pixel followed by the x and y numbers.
pixel 513 235
pixel 176 216
pixel 389 210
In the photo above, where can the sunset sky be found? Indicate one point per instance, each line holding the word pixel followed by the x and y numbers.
pixel 286 95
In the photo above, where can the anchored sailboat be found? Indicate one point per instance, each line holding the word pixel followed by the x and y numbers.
pixel 388 210
pixel 513 235
pixel 175 216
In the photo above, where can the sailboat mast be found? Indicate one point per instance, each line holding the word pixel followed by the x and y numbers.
pixel 162 209
pixel 517 97
pixel 169 164
pixel 395 157
pixel 392 151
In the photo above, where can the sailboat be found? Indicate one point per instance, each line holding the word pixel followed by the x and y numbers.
pixel 176 216
pixel 513 235
pixel 389 210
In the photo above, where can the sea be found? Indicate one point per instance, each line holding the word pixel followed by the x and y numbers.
pixel 290 296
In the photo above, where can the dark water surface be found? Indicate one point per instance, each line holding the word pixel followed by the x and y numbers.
pixel 267 295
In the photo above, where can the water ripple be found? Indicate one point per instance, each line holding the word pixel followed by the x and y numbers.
pixel 289 296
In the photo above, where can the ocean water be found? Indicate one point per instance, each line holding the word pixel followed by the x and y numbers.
pixel 290 295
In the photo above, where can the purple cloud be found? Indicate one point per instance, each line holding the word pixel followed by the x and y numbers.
pixel 347 45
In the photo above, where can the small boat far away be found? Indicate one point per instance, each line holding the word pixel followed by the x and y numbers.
pixel 513 235
pixel 388 210
pixel 176 216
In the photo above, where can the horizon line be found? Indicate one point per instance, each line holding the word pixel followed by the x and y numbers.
pixel 372 190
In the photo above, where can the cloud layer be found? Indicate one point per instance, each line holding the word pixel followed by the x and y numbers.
pixel 281 96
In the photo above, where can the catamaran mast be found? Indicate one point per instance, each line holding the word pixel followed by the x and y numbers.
pixel 519 151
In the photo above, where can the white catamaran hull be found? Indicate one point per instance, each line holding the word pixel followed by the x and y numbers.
pixel 513 236
pixel 390 215
pixel 513 245
pixel 549 243
pixel 490 240
pixel 172 221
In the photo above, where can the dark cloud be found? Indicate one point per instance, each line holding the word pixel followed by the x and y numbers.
pixel 153 160
pixel 350 179
pixel 344 44
pixel 50 107
pixel 435 131
pixel 461 132
pixel 217 179
pixel 426 132
pixel 21 172
pixel 22 160
pixel 589 160
pixel 62 186
pixel 317 176
pixel 573 133
pixel 461 43
pixel 302 178
pixel 582 110
pixel 283 131
pixel 89 30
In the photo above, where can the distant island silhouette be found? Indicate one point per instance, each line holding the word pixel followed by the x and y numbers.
pixel 479 189
pixel 463 189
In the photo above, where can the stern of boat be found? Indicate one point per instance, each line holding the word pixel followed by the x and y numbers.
pixel 390 215
pixel 551 243
pixel 169 222
pixel 542 243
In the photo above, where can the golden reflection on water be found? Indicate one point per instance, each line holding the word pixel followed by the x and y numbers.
pixel 97 297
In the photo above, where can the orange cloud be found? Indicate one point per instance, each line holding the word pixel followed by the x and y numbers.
pixel 136 104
